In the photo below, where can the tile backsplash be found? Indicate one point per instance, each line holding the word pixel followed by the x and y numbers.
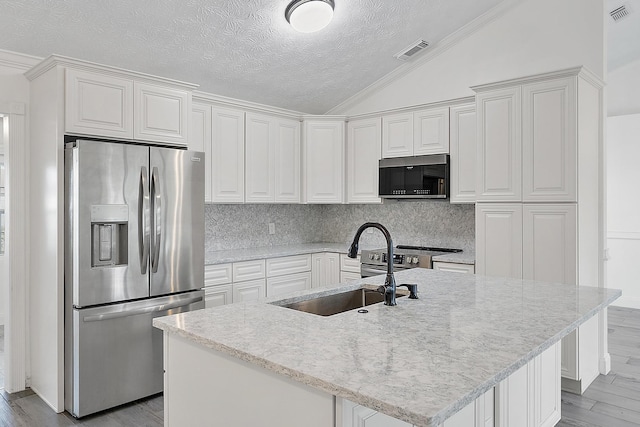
pixel 426 223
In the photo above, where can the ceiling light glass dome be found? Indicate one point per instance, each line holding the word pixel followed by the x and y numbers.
pixel 309 16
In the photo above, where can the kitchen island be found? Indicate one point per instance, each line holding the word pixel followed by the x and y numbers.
pixel 421 362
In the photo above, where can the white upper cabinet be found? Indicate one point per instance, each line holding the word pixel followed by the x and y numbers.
pixel 323 161
pixel 259 159
pixel 416 133
pixel 227 155
pixel 103 104
pixel 200 140
pixel 463 154
pixel 549 141
pixel 272 159
pixel 287 161
pixel 98 104
pixel 397 135
pixel 499 152
pixel 363 154
pixel 161 113
pixel 431 131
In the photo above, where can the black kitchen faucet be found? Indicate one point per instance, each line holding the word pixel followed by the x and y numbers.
pixel 390 281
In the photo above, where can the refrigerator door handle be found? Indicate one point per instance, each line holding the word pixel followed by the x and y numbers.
pixel 156 199
pixel 143 221
pixel 144 310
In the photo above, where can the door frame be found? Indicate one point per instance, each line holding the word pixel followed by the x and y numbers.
pixel 16 236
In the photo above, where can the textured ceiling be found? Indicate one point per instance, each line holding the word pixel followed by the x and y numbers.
pixel 238 48
pixel 623 43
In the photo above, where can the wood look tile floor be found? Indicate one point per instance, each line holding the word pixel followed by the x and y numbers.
pixel 612 400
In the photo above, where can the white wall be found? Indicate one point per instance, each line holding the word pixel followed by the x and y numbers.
pixel 623 204
pixel 4 272
pixel 534 36
pixel 623 90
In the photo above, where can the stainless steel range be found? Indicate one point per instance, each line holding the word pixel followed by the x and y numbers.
pixel 374 262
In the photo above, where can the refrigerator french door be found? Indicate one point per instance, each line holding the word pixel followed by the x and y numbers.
pixel 134 250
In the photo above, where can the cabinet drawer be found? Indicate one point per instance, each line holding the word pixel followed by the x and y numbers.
pixel 251 290
pixel 217 274
pixel 351 265
pixel 215 296
pixel 454 267
pixel 288 265
pixel 281 285
pixel 248 270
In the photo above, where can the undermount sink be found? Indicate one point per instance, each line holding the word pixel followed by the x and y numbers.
pixel 344 301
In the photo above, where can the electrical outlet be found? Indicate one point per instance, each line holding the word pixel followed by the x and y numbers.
pixel 272 228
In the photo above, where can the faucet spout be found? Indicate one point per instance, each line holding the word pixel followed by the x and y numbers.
pixel 390 281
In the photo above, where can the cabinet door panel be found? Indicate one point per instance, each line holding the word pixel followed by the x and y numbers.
pixel 215 296
pixel 227 142
pixel 363 154
pixel 549 243
pixel 282 285
pixel 463 154
pixel 499 157
pixel 98 105
pixel 547 387
pixel 324 161
pixel 200 140
pixel 287 161
pixel 431 131
pixel 161 114
pixel 259 159
pixel 252 290
pixel 499 239
pixel 397 135
pixel 351 265
pixel 549 141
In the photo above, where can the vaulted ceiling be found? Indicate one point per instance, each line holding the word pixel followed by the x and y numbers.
pixel 245 48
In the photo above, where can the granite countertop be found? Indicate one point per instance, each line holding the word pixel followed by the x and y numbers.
pixel 238 255
pixel 420 361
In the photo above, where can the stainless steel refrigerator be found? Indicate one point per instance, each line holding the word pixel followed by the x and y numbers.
pixel 134 250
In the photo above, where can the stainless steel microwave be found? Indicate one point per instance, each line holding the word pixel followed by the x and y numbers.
pixel 419 177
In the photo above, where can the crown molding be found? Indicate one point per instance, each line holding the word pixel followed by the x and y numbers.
pixel 567 72
pixel 446 103
pixel 59 60
pixel 431 53
pixel 19 61
pixel 227 102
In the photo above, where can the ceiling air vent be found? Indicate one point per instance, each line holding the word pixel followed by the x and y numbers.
pixel 619 13
pixel 412 50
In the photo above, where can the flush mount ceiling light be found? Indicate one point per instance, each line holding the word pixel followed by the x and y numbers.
pixel 309 16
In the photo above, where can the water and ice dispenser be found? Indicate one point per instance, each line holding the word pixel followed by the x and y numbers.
pixel 109 235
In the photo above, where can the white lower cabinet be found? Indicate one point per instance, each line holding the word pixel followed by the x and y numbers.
pixel 499 239
pixel 282 285
pixel 325 269
pixel 349 268
pixel 454 267
pixel 251 290
pixel 530 397
pixel 215 296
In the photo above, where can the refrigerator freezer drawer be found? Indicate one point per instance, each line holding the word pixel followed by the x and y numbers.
pixel 116 354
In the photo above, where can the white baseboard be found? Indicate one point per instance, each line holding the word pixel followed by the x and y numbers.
pixel 605 364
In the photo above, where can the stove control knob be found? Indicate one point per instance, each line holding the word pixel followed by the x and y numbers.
pixel 409 260
pixel 415 260
pixel 376 256
pixel 370 256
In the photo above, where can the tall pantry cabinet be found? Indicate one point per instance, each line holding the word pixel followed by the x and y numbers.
pixel 538 212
